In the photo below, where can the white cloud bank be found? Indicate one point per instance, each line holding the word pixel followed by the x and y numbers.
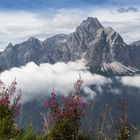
pixel 133 81
pixel 16 26
pixel 36 81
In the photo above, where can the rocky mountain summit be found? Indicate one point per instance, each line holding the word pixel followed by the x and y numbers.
pixel 103 49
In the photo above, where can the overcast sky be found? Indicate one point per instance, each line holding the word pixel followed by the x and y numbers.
pixel 21 19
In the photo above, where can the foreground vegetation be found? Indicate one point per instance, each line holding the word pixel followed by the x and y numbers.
pixel 63 121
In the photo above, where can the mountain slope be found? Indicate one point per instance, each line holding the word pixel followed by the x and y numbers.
pixel 98 45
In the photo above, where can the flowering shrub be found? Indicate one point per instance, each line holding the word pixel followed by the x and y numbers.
pixel 63 121
pixel 123 132
pixel 9 108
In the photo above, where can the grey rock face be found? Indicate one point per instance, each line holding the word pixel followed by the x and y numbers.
pixel 137 43
pixel 20 54
pixel 98 45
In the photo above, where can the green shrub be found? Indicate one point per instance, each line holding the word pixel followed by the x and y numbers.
pixel 9 108
pixel 63 121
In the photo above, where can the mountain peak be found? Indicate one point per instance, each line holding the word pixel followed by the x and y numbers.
pixel 90 24
pixel 32 39
pixel 91 41
pixel 92 19
pixel 10 45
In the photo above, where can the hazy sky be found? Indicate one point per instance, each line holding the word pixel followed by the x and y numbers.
pixel 21 19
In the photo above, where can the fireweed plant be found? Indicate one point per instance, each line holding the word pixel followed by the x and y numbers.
pixel 9 109
pixel 63 121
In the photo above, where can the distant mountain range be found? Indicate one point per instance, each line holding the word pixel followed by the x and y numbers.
pixel 103 49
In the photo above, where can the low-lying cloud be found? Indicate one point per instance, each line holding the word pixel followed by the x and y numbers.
pixel 133 81
pixel 38 81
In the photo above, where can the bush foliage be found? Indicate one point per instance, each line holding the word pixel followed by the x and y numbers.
pixel 63 119
pixel 9 109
